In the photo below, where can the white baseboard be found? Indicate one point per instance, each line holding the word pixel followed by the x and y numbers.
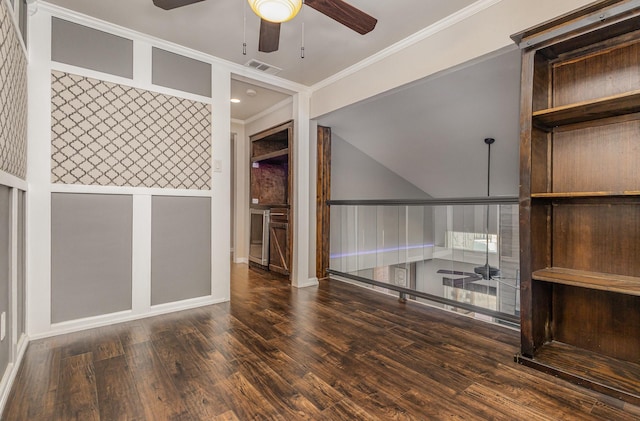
pixel 244 260
pixel 311 282
pixel 125 316
pixel 11 372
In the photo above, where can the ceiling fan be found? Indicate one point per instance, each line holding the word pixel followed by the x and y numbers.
pixel 338 10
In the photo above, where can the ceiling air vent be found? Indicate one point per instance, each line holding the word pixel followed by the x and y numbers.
pixel 263 67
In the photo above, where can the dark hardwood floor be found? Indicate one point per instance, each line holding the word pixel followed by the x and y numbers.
pixel 336 352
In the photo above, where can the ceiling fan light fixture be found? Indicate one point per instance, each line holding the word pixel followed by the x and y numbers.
pixel 276 10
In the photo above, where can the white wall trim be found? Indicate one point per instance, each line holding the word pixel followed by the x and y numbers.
pixel 133 83
pixel 142 61
pixel 13 277
pixel 11 372
pixel 285 102
pixel 241 260
pixel 124 316
pixel 11 180
pixel 312 282
pixel 424 33
pixel 111 28
pixel 125 190
pixel 185 304
pixel 141 255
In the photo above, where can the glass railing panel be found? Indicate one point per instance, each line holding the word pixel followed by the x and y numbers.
pixel 464 254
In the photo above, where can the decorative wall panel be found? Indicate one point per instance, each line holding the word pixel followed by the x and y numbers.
pixel 114 135
pixel 13 99
pixel 91 255
pixel 180 248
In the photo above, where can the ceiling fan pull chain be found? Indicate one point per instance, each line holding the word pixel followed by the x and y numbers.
pixel 244 29
pixel 302 47
pixel 302 43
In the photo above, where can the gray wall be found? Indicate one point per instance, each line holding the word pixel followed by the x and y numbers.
pixel 355 175
pixel 180 72
pixel 5 290
pixel 92 49
pixel 180 248
pixel 91 259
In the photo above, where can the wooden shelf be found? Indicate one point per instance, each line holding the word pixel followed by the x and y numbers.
pixel 278 156
pixel 571 195
pixel 611 106
pixel 629 285
pixel 598 372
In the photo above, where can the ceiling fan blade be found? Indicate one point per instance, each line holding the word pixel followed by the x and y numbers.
pixel 269 36
pixel 344 13
pixel 172 4
pixel 457 272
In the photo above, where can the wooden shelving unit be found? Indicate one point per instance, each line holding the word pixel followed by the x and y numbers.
pixel 580 198
pixel 625 103
pixel 579 195
pixel 592 280
pixel 279 156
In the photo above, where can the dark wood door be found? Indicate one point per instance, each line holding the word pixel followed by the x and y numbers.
pixel 279 250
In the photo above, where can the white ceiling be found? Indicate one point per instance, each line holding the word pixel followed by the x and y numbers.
pixel 432 132
pixel 216 27
pixel 249 106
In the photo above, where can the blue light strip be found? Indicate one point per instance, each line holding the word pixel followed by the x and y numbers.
pixel 376 251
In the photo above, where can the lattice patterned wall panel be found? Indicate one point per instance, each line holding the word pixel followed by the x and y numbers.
pixel 13 99
pixel 113 135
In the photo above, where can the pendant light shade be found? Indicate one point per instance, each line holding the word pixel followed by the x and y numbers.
pixel 276 10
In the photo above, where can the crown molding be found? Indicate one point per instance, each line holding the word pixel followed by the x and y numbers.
pixel 421 35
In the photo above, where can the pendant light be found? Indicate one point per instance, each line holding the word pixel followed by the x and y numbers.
pixel 276 10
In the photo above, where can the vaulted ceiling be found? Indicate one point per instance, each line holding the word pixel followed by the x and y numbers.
pixel 432 132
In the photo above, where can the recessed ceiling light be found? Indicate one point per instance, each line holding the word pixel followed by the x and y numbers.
pixel 235 100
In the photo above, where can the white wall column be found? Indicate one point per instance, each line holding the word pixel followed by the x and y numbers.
pixel 241 194
pixel 141 259
pixel 221 183
pixel 39 176
pixel 301 215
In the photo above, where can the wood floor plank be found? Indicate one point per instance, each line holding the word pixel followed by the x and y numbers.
pixel 41 364
pixel 603 411
pixel 77 393
pixel 159 398
pixel 279 393
pixel 332 352
pixel 132 333
pixel 432 407
pixel 107 344
pixel 503 404
pixel 528 388
pixel 118 397
pixel 227 416
pixel 345 410
pixel 246 401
